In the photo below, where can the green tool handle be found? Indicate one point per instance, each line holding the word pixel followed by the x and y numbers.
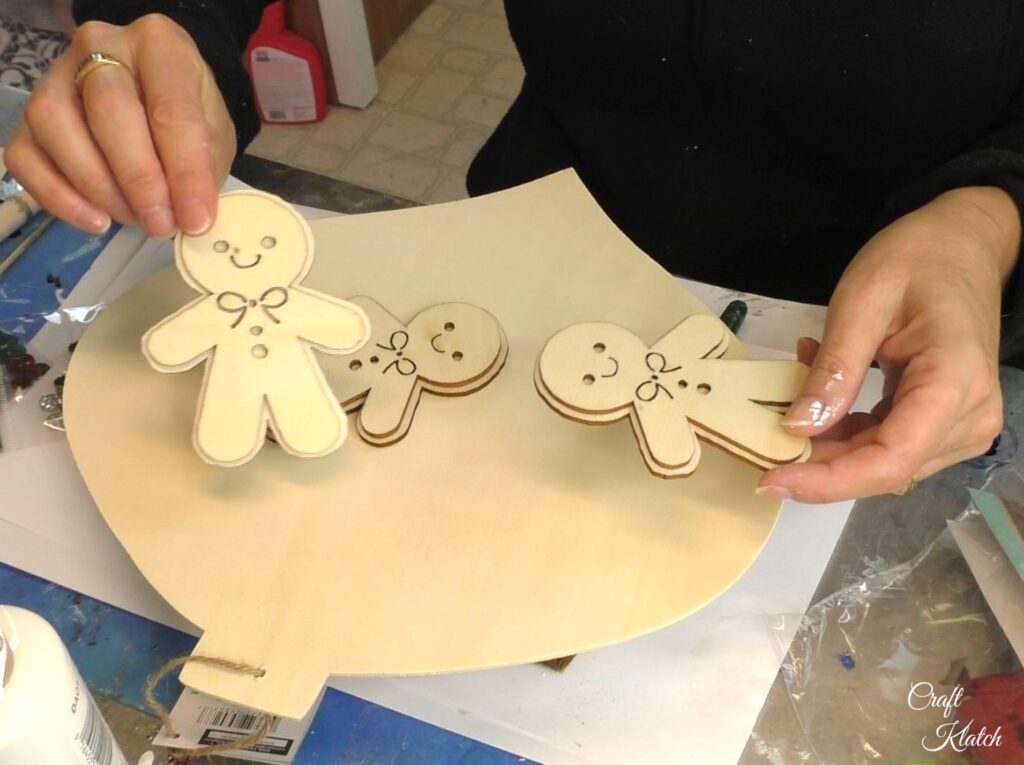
pixel 733 315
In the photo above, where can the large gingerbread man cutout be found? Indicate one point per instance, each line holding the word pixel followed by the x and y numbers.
pixel 674 391
pixel 256 328
pixel 451 349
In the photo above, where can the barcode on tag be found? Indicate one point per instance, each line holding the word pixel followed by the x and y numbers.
pixel 234 719
pixel 202 720
pixel 277 114
pixel 95 738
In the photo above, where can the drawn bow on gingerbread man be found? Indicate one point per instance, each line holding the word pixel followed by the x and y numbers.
pixel 235 302
pixel 649 390
pixel 397 344
pixel 676 390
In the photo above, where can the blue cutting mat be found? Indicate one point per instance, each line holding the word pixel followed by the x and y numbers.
pixel 116 651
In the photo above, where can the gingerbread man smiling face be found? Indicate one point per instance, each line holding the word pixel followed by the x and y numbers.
pixel 593 358
pixel 257 329
pixel 251 248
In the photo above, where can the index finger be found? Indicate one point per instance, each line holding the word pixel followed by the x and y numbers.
pixel 119 127
pixel 921 417
pixel 174 105
pixel 855 327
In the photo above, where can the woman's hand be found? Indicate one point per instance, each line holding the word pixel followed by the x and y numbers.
pixel 149 142
pixel 923 298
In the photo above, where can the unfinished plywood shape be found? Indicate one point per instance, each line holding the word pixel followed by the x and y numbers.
pixel 673 391
pixel 494 533
pixel 256 329
pixel 451 349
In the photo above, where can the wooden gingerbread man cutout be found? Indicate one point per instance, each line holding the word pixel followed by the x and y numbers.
pixel 451 349
pixel 674 391
pixel 256 328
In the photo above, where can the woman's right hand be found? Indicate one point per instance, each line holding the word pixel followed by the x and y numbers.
pixel 149 142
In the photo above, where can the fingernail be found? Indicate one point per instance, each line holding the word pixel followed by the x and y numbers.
pixel 773 492
pixel 804 343
pixel 194 217
pixel 809 412
pixel 159 222
pixel 96 223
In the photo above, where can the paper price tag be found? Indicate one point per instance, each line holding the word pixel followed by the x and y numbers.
pixel 202 720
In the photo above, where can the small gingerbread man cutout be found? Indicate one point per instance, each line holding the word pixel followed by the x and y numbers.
pixel 256 328
pixel 674 391
pixel 452 349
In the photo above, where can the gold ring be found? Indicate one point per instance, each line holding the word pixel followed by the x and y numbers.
pixel 911 485
pixel 91 63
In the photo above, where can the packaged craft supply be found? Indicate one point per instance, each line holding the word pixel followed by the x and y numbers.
pixel 47 714
pixel 33 367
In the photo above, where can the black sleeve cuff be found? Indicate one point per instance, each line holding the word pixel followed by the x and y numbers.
pixel 1003 169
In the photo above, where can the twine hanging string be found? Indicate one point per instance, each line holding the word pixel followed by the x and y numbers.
pixel 185 755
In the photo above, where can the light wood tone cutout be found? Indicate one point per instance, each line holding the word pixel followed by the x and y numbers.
pixel 494 533
pixel 256 329
pixel 674 391
pixel 451 349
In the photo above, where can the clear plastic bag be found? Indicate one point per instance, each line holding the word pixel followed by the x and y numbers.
pixel 32 372
pixel 877 671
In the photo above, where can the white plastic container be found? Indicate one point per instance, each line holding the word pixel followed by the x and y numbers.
pixel 47 715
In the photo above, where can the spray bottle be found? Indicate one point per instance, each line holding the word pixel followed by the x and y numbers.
pixel 286 70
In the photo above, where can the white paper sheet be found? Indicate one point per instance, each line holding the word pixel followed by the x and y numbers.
pixel 50 527
pixel 688 693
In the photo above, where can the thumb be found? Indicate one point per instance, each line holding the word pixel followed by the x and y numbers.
pixel 847 349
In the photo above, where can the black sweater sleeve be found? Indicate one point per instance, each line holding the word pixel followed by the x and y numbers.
pixel 220 28
pixel 997 159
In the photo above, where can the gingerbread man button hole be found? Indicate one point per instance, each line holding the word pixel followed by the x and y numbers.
pixel 256 328
pixel 676 390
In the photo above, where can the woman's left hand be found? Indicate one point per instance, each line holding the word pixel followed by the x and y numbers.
pixel 922 297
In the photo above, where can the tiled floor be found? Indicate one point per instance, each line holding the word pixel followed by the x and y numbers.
pixel 443 88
